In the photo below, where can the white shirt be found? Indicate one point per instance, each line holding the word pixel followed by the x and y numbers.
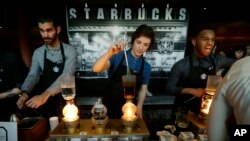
pixel 232 96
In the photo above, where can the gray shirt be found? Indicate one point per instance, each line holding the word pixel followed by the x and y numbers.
pixel 54 55
pixel 232 97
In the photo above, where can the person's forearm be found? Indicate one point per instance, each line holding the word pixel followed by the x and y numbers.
pixel 3 95
pixel 197 92
pixel 187 91
pixel 142 96
pixel 46 94
pixel 102 63
pixel 10 93
pixel 55 86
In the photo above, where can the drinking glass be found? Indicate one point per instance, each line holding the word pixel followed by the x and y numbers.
pixel 181 117
pixel 213 82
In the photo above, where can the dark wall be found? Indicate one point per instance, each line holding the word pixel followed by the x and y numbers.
pixel 90 87
pixel 86 87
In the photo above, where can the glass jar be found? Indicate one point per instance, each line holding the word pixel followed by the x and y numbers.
pixel 99 115
pixel 99 110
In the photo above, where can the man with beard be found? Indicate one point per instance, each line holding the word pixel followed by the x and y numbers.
pixel 50 62
pixel 188 77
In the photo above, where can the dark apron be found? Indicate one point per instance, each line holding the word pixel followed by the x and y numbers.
pixel 197 78
pixel 51 71
pixel 114 99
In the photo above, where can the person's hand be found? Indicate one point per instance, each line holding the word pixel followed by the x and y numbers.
pixel 36 101
pixel 21 100
pixel 117 47
pixel 198 92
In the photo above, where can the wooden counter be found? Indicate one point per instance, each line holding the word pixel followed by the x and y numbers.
pixel 113 131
